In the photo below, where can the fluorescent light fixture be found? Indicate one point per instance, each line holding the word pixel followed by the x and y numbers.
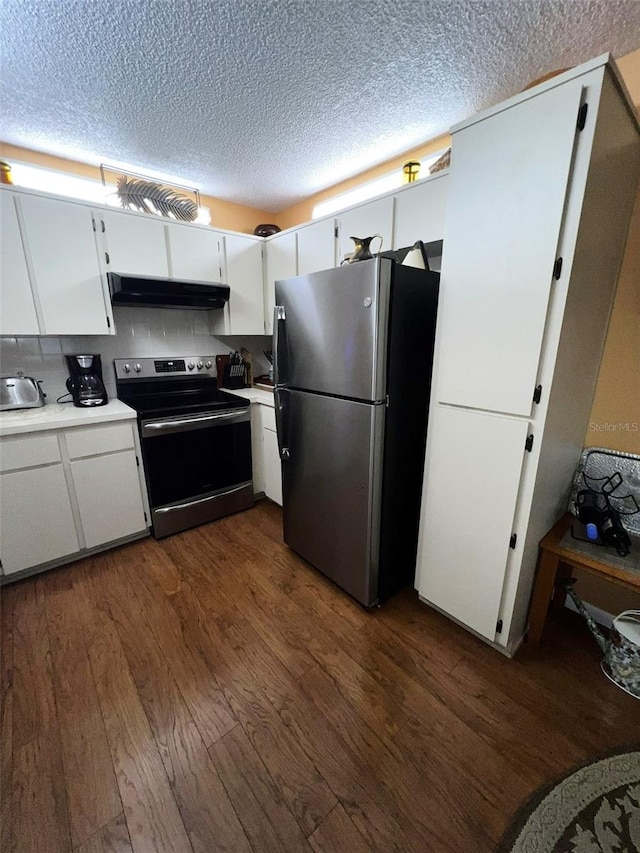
pixel 72 186
pixel 46 180
pixel 364 192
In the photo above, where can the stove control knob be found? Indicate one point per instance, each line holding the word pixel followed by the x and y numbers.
pixel 137 368
pixel 208 365
pixel 126 368
pixel 191 365
pixel 200 365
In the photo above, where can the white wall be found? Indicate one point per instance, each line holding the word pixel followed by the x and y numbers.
pixel 142 332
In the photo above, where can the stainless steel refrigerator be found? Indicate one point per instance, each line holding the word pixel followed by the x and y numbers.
pixel 353 350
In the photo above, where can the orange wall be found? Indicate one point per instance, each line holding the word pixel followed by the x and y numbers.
pixel 238 217
pixel 615 416
pixel 617 397
pixel 224 214
pixel 303 211
pixel 227 214
pixel 616 405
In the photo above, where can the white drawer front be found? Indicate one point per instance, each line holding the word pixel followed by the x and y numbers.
pixel 28 451
pixel 93 440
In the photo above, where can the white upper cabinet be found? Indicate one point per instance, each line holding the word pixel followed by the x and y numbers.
pixel 194 253
pixel 316 246
pixel 17 308
pixel 136 245
pixel 508 183
pixel 420 212
pixel 60 243
pixel 281 262
pixel 244 314
pixel 376 217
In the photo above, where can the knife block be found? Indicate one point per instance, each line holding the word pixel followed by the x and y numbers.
pixel 223 377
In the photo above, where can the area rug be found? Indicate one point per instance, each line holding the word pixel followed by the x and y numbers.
pixel 595 809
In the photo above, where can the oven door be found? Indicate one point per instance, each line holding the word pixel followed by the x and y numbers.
pixel 198 467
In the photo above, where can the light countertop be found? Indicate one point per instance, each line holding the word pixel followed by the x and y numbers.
pixel 62 416
pixel 254 395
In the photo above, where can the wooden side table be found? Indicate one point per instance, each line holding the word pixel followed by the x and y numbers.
pixel 557 559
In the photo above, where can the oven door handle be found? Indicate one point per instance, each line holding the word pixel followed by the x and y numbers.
pixel 237 416
pixel 219 493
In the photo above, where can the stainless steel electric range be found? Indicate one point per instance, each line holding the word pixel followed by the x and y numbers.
pixel 195 438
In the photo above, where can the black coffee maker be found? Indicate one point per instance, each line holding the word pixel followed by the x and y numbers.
pixel 85 382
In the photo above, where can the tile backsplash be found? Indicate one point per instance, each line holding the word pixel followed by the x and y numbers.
pixel 141 333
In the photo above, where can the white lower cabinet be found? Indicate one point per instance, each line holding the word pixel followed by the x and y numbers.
pixel 469 498
pixel 265 456
pixel 257 452
pixel 37 520
pixel 271 455
pixel 65 491
pixel 272 466
pixel 104 472
pixel 108 493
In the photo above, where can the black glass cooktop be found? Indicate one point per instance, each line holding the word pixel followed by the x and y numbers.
pixel 160 398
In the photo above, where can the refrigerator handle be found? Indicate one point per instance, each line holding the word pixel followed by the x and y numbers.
pixel 278 317
pixel 279 396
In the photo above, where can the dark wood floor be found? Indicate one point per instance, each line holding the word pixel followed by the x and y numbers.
pixel 211 692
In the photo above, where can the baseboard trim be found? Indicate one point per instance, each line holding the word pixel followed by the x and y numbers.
pixel 71 558
pixel 508 651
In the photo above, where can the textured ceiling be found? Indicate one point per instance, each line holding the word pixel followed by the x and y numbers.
pixel 267 102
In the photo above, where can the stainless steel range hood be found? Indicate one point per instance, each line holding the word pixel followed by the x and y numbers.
pixel 152 291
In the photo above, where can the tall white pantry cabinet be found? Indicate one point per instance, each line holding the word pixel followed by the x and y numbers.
pixel 541 190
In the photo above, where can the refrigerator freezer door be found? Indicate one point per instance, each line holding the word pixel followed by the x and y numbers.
pixel 332 487
pixel 332 339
